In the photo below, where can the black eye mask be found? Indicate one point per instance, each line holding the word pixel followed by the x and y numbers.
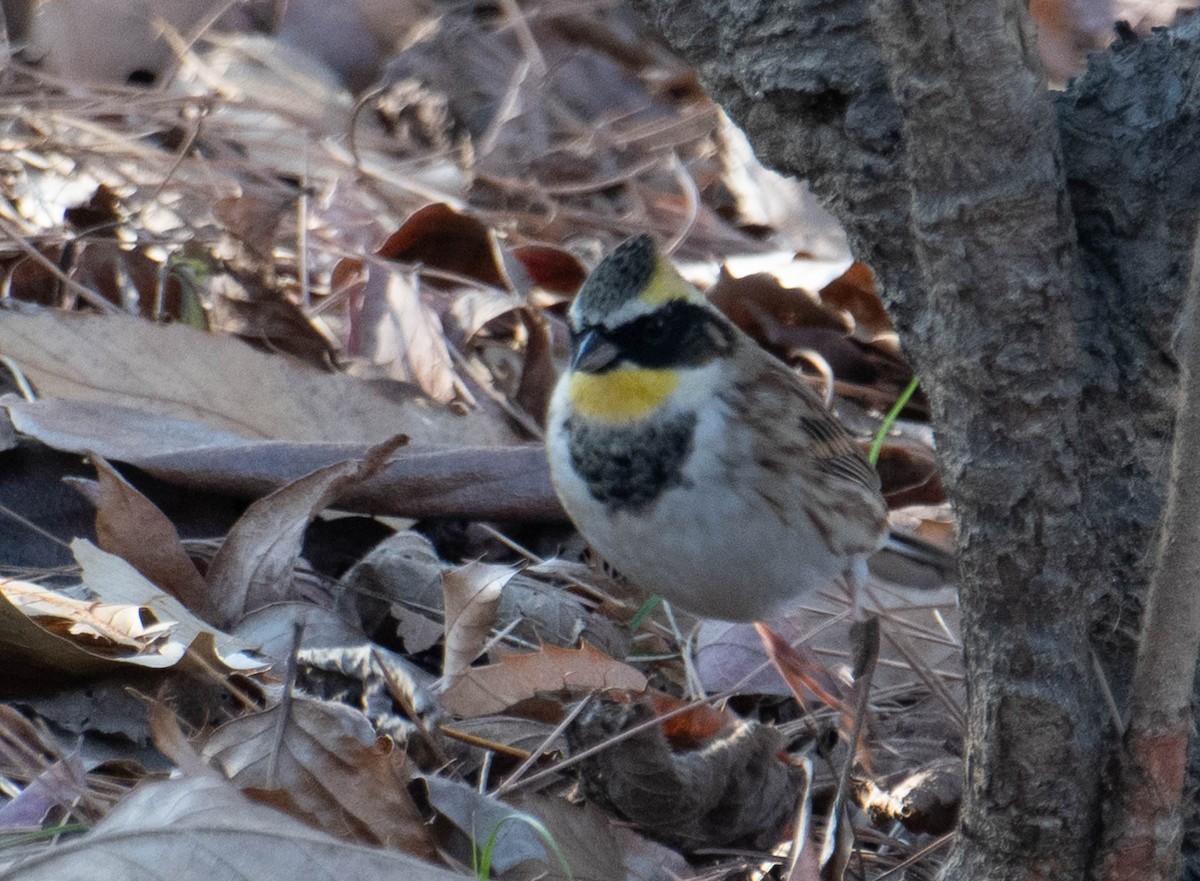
pixel 680 334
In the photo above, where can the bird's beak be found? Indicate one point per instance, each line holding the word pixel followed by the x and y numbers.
pixel 592 352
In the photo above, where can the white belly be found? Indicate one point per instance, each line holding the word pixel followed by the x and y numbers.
pixel 711 546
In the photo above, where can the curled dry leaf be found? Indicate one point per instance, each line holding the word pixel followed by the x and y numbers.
pixel 438 236
pixel 472 599
pixel 132 527
pixel 192 829
pixel 328 764
pixel 736 791
pixel 926 800
pixel 154 629
pixel 105 628
pixel 255 562
pixel 481 691
pixel 398 333
pixel 855 293
pixel 910 475
pixel 473 308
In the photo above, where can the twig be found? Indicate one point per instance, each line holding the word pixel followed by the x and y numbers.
pixel 540 750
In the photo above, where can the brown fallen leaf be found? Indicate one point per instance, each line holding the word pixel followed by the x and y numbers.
pixel 131 622
pixel 220 382
pixel 130 526
pixel 399 336
pixel 325 761
pixel 471 482
pixel 438 236
pixel 254 564
pixel 854 291
pixel 764 308
pixel 246 307
pixel 552 269
pixel 193 829
pixel 910 475
pixel 735 791
pixel 472 594
pixel 482 691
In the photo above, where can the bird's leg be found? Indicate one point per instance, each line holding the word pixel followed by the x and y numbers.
pixel 856 577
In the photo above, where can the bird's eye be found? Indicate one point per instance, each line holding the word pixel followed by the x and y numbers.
pixel 656 329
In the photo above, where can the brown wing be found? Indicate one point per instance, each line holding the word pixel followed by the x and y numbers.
pixel 817 468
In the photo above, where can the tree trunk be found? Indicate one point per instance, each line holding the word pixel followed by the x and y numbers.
pixel 1033 252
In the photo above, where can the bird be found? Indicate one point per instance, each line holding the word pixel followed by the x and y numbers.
pixel 696 463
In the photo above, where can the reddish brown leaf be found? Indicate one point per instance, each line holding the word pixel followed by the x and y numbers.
pixel 764 308
pixel 481 691
pixel 910 475
pixel 441 237
pixel 690 729
pixel 855 292
pixel 550 268
pixel 801 670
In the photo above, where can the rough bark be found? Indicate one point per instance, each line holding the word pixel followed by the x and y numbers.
pixel 1143 837
pixel 1033 254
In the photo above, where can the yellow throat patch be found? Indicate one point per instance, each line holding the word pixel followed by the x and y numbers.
pixel 622 395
